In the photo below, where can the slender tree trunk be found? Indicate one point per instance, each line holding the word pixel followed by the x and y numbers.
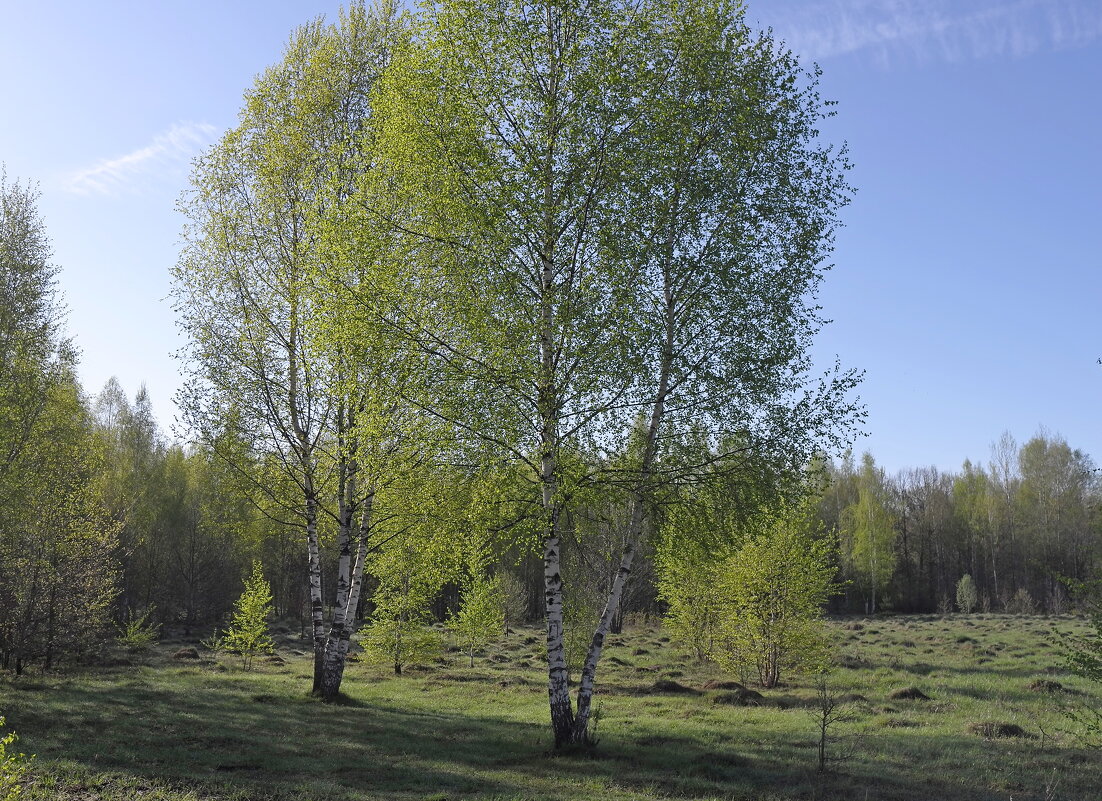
pixel 317 608
pixel 333 662
pixel 558 690
pixel 579 732
pixel 589 669
pixel 348 598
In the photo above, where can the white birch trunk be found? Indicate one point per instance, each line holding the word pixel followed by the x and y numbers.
pixel 348 599
pixel 579 731
pixel 333 663
pixel 589 669
pixel 558 689
pixel 317 609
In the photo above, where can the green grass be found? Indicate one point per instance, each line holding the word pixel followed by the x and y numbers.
pixel 168 730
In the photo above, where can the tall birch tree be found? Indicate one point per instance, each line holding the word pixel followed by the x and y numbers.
pixel 619 215
pixel 247 297
pixel 868 534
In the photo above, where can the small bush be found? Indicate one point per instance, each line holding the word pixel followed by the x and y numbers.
pixel 1022 603
pixel 967 597
pixel 13 766
pixel 139 633
pixel 214 642
pixel 481 616
pixel 401 643
pixel 248 634
pixel 515 597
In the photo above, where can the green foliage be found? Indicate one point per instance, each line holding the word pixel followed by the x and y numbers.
pixel 58 547
pixel 1022 603
pixel 774 588
pixel 868 535
pixel 514 596
pixel 481 616
pixel 582 607
pixel 214 643
pixel 695 606
pixel 13 766
pixel 698 533
pixel 138 632
pixel 1083 657
pixel 248 634
pixel 399 632
pixel 401 641
pixel 967 597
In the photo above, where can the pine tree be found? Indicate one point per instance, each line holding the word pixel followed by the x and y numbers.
pixel 248 632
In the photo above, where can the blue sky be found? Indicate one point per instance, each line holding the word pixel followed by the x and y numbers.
pixel 967 280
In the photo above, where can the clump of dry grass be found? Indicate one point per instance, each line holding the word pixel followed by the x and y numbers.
pixel 991 730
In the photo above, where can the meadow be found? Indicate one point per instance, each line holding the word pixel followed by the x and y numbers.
pixel 159 728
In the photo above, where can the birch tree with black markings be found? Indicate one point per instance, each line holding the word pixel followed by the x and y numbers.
pixel 261 356
pixel 622 212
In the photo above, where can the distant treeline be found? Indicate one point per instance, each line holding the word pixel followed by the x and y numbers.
pixel 1020 526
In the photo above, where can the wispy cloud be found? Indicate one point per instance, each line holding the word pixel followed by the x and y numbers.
pixel 168 153
pixel 938 30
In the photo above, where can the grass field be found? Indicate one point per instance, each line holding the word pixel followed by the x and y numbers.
pixel 162 729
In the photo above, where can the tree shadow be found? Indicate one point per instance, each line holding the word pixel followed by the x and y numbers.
pixel 254 736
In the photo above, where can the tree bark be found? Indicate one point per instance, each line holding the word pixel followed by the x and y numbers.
pixel 344 613
pixel 580 733
pixel 317 608
pixel 558 689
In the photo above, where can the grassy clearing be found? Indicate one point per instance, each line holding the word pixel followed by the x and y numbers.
pixel 175 730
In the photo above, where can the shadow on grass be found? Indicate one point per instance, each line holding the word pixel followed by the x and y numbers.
pixel 262 736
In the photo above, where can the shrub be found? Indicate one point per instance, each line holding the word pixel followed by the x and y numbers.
pixel 248 634
pixel 689 586
pixel 214 642
pixel 1022 603
pixel 1083 656
pixel 401 641
pixel 481 616
pixel 139 633
pixel 514 596
pixel 775 586
pixel 967 597
pixel 13 766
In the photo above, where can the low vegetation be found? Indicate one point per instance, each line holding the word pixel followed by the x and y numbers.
pixel 986 723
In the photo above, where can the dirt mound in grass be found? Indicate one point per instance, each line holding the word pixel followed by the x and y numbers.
pixel 715 684
pixel 854 662
pixel 991 730
pixel 670 686
pixel 1046 686
pixel 740 697
pixel 908 694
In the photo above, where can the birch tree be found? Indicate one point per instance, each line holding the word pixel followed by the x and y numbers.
pixel 868 534
pixel 247 298
pixel 57 547
pixel 622 213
